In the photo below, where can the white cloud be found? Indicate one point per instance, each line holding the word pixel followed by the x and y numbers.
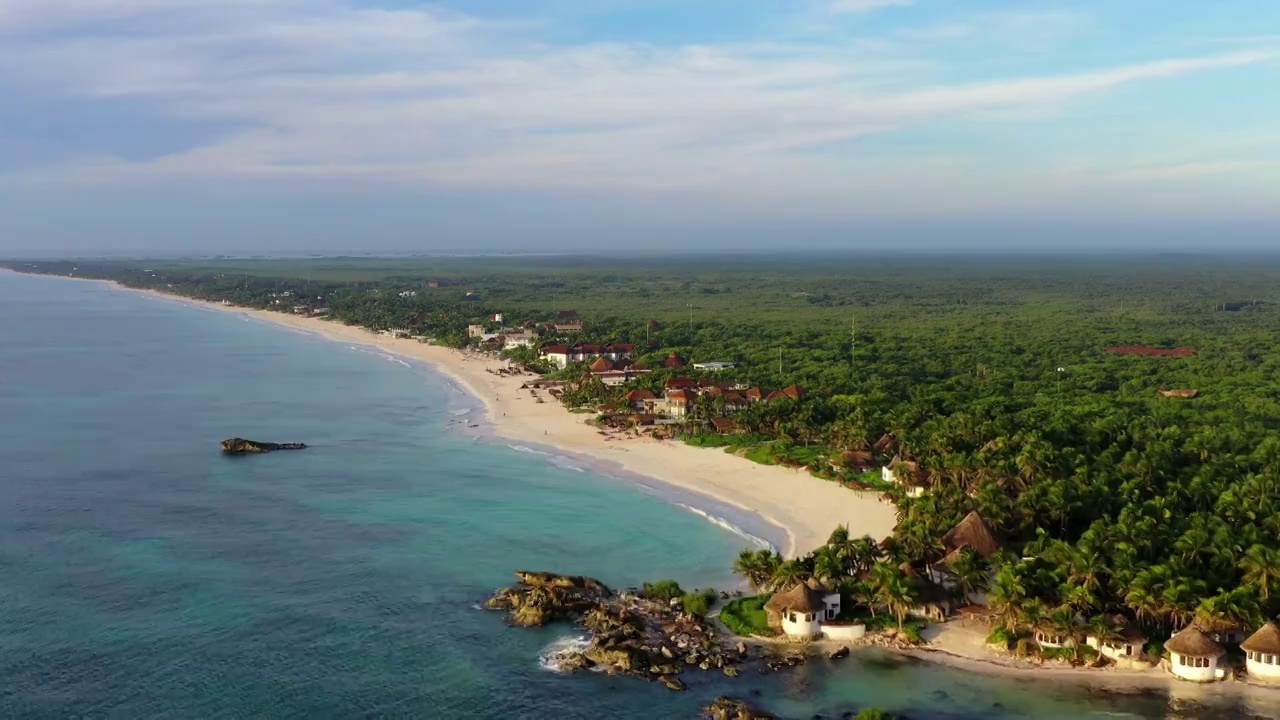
pixel 861 6
pixel 329 89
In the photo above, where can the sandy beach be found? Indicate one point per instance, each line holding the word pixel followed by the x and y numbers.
pixel 803 507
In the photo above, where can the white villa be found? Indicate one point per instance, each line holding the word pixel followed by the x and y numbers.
pixel 808 611
pixel 714 366
pixel 1195 656
pixel 1127 643
pixel 907 474
pixel 526 337
pixel 1262 653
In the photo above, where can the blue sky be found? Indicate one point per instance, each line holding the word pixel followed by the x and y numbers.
pixel 190 126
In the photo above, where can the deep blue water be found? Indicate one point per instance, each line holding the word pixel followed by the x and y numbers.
pixel 143 574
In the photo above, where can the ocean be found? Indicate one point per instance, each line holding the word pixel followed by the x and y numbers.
pixel 145 575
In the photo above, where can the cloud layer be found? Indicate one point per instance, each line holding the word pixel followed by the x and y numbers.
pixel 340 91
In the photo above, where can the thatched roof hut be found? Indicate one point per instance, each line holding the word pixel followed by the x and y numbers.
pixel 1194 643
pixel 1266 640
pixel 800 598
pixel 1188 394
pixel 857 459
pixel 886 443
pixel 972 532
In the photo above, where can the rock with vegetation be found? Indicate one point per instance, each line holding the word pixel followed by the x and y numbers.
pixel 727 708
pixel 240 446
pixel 643 634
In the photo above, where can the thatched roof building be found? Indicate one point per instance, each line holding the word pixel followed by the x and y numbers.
pixel 1266 640
pixel 1188 394
pixel 972 532
pixel 801 598
pixel 1191 642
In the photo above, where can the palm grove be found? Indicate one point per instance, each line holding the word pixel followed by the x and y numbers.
pixel 993 378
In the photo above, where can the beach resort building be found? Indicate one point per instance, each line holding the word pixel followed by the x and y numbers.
pixel 475 331
pixel 562 355
pixel 1127 643
pixel 714 366
pixel 677 403
pixel 906 474
pixel 1262 654
pixel 801 612
pixel 524 337
pixel 568 321
pixel 972 532
pixel 1195 656
pixel 1221 631
pixel 641 400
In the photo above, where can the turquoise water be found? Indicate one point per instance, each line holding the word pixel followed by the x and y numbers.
pixel 146 575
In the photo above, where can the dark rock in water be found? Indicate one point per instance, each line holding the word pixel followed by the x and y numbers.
pixel 672 682
pixel 240 446
pixel 841 652
pixel 631 634
pixel 727 708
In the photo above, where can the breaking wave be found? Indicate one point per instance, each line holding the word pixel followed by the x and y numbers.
pixel 726 525
pixel 554 655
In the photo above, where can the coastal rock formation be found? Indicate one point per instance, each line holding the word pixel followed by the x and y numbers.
pixel 630 634
pixel 727 708
pixel 240 446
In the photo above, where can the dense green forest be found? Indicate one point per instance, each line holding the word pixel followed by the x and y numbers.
pixel 992 373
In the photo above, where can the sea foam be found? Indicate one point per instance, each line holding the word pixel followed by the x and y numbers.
pixel 554 655
pixel 725 524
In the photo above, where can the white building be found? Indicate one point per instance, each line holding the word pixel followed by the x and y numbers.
pixel 1195 656
pixel 801 612
pixel 1262 653
pixel 1127 643
pixel 906 474
pixel 714 366
pixel 521 338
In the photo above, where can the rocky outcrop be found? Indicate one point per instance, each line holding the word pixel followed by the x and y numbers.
pixel 630 634
pixel 727 708
pixel 240 446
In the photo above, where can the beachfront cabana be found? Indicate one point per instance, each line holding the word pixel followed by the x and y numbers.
pixel 1127 643
pixel 972 532
pixel 1222 631
pixel 1195 656
pixel 797 613
pixel 1262 653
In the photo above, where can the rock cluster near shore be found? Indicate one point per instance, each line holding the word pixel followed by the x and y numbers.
pixel 240 446
pixel 630 634
pixel 727 708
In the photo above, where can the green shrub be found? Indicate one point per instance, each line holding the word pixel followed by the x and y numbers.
pixel 663 590
pixel 746 616
pixel 699 602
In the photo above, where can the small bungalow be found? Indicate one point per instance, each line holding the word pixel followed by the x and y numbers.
pixel 1127 643
pixel 886 444
pixel 725 426
pixel 568 321
pixel 640 398
pixel 856 459
pixel 1262 653
pixel 935 601
pixel 680 383
pixel 714 366
pixel 800 612
pixel 972 532
pixel 1195 656
pixel 907 474
pixel 795 392
pixel 1047 637
pixel 755 394
pixel 475 331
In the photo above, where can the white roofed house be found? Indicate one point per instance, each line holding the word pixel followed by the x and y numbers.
pixel 1125 642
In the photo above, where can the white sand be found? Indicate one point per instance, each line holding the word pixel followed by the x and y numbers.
pixel 806 508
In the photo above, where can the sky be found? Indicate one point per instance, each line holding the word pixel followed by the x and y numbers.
pixel 286 126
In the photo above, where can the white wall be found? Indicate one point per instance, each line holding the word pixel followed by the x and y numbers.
pixel 1195 674
pixel 1262 671
pixel 844 632
pixel 804 625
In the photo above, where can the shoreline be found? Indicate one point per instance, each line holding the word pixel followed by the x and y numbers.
pixel 803 509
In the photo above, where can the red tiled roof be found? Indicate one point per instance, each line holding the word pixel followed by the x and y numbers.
pixel 678 383
pixel 678 395
pixel 723 424
pixel 640 394
pixel 602 364
pixel 555 350
pixel 673 361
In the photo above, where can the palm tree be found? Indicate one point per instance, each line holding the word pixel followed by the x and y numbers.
pixel 787 574
pixel 1063 622
pixel 1008 593
pixel 1104 628
pixel 969 571
pixel 827 566
pixel 1261 566
pixel 748 564
pixel 894 592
